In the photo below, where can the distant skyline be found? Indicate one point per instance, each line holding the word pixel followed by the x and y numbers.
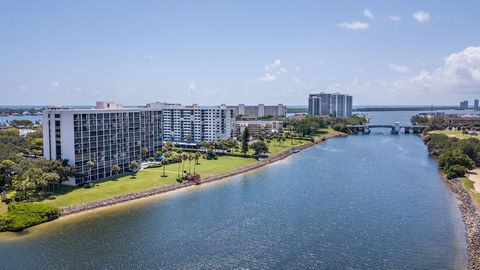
pixel 212 52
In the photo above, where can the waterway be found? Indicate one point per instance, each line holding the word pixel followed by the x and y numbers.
pixel 362 202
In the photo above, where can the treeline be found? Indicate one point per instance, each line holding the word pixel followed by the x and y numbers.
pixel 12 144
pixel 433 123
pixel 455 156
pixel 311 125
pixel 8 111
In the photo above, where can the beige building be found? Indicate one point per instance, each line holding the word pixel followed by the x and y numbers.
pixel 260 110
pixel 256 127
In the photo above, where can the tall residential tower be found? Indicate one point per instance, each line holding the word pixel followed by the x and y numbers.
pixel 337 105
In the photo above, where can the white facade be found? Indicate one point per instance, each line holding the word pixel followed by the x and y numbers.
pixel 111 137
pixel 197 123
pixel 337 105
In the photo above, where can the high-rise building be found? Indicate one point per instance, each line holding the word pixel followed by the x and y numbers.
pixel 338 105
pixel 193 124
pixel 475 105
pixel 464 105
pixel 111 135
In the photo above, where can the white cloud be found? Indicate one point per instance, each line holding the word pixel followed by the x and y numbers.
pixel 273 65
pixel 298 81
pixel 459 73
pixel 281 70
pixel 367 13
pixel 421 16
pixel 395 18
pixel 267 78
pixel 353 25
pixel 192 86
pixel 55 84
pixel 399 68
pixel 23 87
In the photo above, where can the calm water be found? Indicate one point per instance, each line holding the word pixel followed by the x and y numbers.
pixel 362 202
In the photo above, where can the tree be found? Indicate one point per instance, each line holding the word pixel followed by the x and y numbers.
pixel 133 165
pixel 190 158
pixel 455 157
pixel 196 156
pixel 259 147
pixel 90 165
pixel 115 169
pixel 7 169
pixel 455 171
pixel 245 139
pixel 179 158
pixel 184 159
pixel 52 178
pixel 144 152
pixel 23 184
pixel 164 164
pixel 35 175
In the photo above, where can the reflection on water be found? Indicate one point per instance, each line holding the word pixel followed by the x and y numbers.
pixel 365 202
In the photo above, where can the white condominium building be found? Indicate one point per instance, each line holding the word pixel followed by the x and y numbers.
pixel 110 135
pixel 337 105
pixel 193 124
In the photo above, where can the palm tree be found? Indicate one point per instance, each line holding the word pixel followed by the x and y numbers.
pixel 179 158
pixel 184 158
pixel 144 153
pixel 196 156
pixel 90 165
pixel 164 164
pixel 115 169
pixel 190 157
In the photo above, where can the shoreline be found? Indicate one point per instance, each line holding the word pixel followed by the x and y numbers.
pixel 471 219
pixel 125 198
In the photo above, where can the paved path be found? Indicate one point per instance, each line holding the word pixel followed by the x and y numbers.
pixel 474 175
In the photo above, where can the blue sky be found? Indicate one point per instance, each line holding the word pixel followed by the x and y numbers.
pixel 212 52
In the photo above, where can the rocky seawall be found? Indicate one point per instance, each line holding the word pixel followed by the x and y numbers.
pixel 69 210
pixel 472 222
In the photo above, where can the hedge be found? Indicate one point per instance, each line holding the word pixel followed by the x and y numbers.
pixel 23 215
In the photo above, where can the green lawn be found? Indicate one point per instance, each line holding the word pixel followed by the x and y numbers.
pixel 276 147
pixel 145 179
pixel 455 133
pixel 468 185
pixel 150 178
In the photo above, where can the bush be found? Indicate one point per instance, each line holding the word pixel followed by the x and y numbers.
pixel 455 171
pixel 23 215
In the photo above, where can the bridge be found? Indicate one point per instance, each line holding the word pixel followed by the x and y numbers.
pixel 395 128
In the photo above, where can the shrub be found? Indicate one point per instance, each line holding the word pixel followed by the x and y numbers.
pixel 23 215
pixel 455 171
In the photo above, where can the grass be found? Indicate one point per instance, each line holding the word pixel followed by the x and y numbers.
pixel 468 185
pixel 150 178
pixel 455 134
pixel 145 179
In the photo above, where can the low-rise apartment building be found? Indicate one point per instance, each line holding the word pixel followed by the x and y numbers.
pixel 260 110
pixel 257 127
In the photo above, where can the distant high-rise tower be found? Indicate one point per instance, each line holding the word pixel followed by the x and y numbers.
pixel 338 105
pixel 464 105
pixel 475 105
